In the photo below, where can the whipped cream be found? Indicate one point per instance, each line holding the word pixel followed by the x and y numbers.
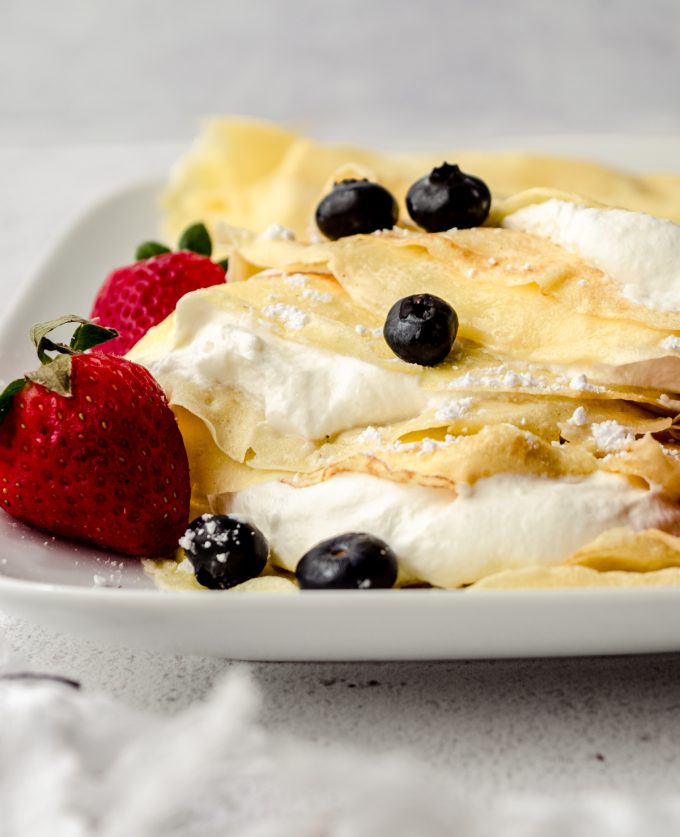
pixel 504 521
pixel 303 389
pixel 637 251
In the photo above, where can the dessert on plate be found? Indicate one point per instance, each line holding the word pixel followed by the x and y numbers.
pixel 540 450
pixel 458 371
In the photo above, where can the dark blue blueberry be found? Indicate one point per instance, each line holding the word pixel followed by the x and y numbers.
pixel 421 329
pixel 353 561
pixel 224 551
pixel 356 206
pixel 447 198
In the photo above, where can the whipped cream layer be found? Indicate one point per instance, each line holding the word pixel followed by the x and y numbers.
pixel 303 389
pixel 637 251
pixel 502 522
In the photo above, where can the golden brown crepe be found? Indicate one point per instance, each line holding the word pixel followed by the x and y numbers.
pixel 546 352
pixel 253 174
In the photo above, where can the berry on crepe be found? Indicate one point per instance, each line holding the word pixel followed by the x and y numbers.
pixel 421 329
pixel 224 551
pixel 448 198
pixel 354 207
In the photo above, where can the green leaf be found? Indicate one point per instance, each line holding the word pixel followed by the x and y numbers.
pixel 55 376
pixel 7 396
pixel 149 249
pixel 87 335
pixel 197 239
pixel 90 334
pixel 40 331
pixel 224 263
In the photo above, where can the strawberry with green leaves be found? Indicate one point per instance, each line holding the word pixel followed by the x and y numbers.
pixel 90 450
pixel 136 297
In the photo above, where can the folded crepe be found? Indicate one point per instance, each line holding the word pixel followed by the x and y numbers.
pixel 253 174
pixel 543 448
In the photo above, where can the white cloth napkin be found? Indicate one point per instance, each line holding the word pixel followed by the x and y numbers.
pixel 74 764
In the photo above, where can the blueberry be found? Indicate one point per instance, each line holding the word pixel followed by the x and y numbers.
pixel 421 329
pixel 446 198
pixel 353 561
pixel 224 551
pixel 356 206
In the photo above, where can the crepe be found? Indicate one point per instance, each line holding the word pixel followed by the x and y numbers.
pixel 253 174
pixel 560 387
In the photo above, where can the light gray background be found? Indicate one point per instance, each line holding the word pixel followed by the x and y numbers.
pixel 81 70
pixel 95 94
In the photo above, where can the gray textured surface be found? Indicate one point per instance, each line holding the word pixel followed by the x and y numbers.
pixel 84 72
pixel 556 726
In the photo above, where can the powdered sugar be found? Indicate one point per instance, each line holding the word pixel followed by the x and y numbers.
pixel 580 384
pixel 578 418
pixel 499 377
pixel 672 343
pixel 453 408
pixel 316 296
pixel 610 436
pixel 365 331
pixel 287 314
pixel 297 279
pixel 371 435
pixel 276 232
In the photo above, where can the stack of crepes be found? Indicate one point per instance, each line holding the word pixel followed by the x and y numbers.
pixel 542 452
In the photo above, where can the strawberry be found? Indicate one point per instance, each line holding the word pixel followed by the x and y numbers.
pixel 140 295
pixel 90 450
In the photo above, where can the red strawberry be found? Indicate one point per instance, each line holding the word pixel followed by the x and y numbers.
pixel 140 295
pixel 90 450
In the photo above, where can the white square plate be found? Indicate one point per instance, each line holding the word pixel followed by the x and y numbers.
pixel 74 588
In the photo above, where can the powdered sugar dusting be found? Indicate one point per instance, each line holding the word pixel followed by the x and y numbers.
pixel 371 435
pixel 453 408
pixel 610 436
pixel 672 343
pixel 579 417
pixel 500 376
pixel 316 296
pixel 580 384
pixel 276 232
pixel 297 279
pixel 366 331
pixel 287 314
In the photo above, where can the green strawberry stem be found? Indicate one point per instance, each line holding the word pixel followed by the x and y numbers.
pixel 7 396
pixel 149 249
pixel 197 239
pixel 86 336
pixel 54 373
